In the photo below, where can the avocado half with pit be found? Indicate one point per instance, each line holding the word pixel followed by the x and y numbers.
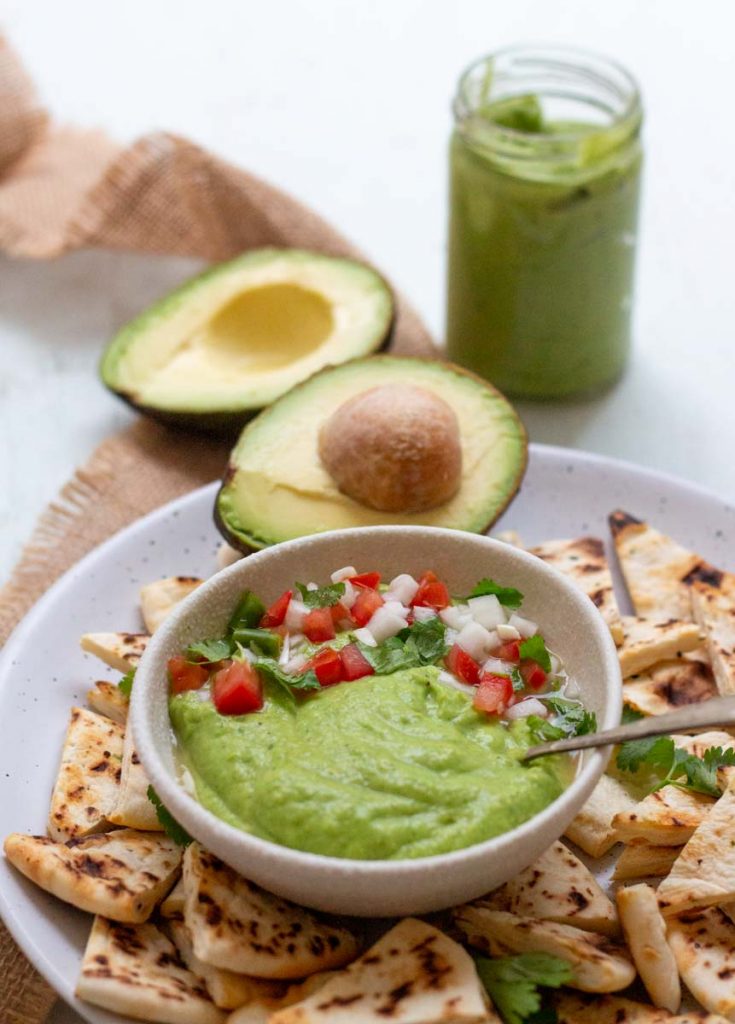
pixel 277 485
pixel 235 338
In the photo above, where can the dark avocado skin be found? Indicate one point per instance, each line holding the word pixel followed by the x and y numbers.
pixel 240 545
pixel 220 424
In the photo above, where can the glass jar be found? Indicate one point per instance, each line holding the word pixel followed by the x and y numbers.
pixel 545 173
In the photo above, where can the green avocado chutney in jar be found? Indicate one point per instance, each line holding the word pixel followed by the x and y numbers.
pixel 545 176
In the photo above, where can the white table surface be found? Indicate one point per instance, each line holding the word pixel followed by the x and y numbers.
pixel 347 105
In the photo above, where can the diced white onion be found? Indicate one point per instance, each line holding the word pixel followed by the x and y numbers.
pixel 397 607
pixel 386 623
pixel 424 614
pixel 312 586
pixel 450 637
pixel 455 616
pixel 350 595
pixel 508 632
pixel 555 664
pixel 342 574
pixel 296 639
pixel 247 655
pixel 494 640
pixel 285 650
pixel 571 689
pixel 295 615
pixel 524 626
pixel 402 588
pixel 487 610
pixel 475 640
pixel 449 680
pixel 365 637
pixel 227 555
pixel 524 708
pixel 498 667
pixel 295 664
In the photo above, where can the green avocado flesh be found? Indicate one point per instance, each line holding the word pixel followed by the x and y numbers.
pixel 235 338
pixel 276 487
pixel 388 767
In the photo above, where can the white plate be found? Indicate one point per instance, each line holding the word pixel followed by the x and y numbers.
pixel 43 671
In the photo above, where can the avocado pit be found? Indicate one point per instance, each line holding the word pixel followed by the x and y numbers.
pixel 394 448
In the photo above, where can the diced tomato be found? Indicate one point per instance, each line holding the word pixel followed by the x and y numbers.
pixel 354 664
pixel 318 625
pixel 327 665
pixel 367 602
pixel 237 689
pixel 432 593
pixel 366 579
pixel 509 651
pixel 463 665
pixel 533 675
pixel 182 675
pixel 277 611
pixel 494 694
pixel 340 614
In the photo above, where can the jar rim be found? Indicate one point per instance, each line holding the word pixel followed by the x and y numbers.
pixel 606 70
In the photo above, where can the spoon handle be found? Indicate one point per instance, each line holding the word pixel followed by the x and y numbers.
pixel 720 711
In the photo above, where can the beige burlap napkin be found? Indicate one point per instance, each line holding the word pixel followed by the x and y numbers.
pixel 66 188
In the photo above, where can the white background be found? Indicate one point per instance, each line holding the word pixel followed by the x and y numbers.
pixel 347 105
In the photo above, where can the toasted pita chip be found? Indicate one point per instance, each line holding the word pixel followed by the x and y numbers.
pixel 158 599
pixel 704 872
pixel 572 1008
pixel 89 776
pixel 598 965
pixel 592 830
pixel 584 561
pixel 122 651
pixel 133 809
pixel 648 641
pixel 240 927
pixel 670 685
pixel 657 570
pixel 414 974
pixel 108 699
pixel 704 947
pixel 641 860
pixel 557 887
pixel 136 971
pixel 713 602
pixel 645 933
pixel 121 875
pixel 258 1011
pixel 667 817
pixel 226 989
pixel 173 905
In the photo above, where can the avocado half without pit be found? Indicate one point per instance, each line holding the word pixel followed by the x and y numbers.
pixel 237 337
pixel 378 440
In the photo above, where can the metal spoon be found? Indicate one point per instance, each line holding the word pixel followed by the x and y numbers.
pixel 720 711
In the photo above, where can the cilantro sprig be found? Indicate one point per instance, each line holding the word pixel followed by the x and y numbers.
pixel 508 596
pixel 514 982
pixel 125 685
pixel 270 669
pixel 170 825
pixel 322 597
pixel 672 766
pixel 570 718
pixel 208 652
pixel 423 643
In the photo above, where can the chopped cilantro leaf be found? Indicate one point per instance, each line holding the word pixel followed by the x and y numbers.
pixel 630 715
pixel 427 640
pixel 570 718
pixel 125 685
pixel 535 649
pixel 171 826
pixel 653 751
pixel 209 651
pixel 272 671
pixel 519 683
pixel 390 656
pixel 508 596
pixel 322 597
pixel 513 982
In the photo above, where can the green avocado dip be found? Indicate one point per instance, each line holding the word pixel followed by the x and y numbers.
pixel 545 164
pixel 388 767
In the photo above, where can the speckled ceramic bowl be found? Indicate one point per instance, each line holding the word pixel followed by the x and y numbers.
pixel 570 623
